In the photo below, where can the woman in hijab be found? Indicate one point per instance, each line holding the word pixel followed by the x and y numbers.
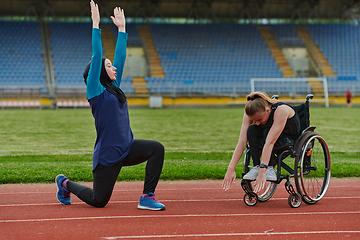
pixel 115 145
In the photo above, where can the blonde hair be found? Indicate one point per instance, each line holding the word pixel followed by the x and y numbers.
pixel 257 101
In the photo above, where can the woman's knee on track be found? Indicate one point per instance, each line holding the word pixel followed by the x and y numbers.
pixel 101 202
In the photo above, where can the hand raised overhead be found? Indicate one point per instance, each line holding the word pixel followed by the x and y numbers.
pixel 119 18
pixel 95 15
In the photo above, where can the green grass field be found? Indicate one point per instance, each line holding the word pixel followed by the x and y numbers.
pixel 36 145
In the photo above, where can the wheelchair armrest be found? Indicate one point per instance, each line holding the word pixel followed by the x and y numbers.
pixel 308 129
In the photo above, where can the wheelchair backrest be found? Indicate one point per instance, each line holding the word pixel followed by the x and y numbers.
pixel 303 111
pixel 304 114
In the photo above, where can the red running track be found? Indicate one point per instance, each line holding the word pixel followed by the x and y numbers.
pixel 194 210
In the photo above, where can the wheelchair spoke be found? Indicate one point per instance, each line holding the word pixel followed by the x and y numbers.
pixel 314 169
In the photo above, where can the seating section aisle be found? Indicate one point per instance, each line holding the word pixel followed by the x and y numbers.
pixel 21 62
pixel 204 57
pixel 286 35
pixel 340 45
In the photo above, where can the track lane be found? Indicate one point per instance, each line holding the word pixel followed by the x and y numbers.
pixel 195 209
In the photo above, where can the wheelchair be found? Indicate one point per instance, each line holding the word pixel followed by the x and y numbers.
pixel 311 170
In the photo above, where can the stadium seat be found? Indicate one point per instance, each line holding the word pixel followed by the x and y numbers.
pixel 21 53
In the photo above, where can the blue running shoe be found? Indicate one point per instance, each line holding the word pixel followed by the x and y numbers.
pixel 63 195
pixel 149 202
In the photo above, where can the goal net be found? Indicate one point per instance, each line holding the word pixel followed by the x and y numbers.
pixel 293 87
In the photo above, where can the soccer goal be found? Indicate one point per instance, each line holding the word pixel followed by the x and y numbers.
pixel 293 87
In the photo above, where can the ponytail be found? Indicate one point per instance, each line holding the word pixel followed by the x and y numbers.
pixel 257 101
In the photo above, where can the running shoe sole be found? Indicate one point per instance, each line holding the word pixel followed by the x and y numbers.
pixel 149 208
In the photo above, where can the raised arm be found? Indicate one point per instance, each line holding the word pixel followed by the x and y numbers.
pixel 282 113
pixel 230 175
pixel 120 50
pixel 93 80
pixel 95 15
pixel 119 19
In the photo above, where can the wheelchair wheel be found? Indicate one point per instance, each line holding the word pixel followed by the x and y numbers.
pixel 294 200
pixel 270 187
pixel 313 167
pixel 251 199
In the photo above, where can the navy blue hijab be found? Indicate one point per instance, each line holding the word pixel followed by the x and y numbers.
pixel 106 81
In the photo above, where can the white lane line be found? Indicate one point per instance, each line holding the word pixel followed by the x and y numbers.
pixel 158 189
pixel 164 189
pixel 266 233
pixel 120 202
pixel 163 200
pixel 176 216
pixel 121 190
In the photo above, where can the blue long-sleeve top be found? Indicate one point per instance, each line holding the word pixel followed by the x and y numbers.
pixel 112 123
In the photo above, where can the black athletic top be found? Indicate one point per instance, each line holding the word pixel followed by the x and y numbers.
pixel 292 127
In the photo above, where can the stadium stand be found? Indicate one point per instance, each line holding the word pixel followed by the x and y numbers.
pixel 71 50
pixel 197 59
pixel 182 49
pixel 217 59
pixel 340 45
pixel 21 63
pixel 214 58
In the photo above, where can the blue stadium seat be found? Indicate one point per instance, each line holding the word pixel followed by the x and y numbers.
pixel 340 45
pixel 215 53
pixel 21 55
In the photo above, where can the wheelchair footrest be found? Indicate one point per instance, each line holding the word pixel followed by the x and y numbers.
pixel 246 186
pixel 289 188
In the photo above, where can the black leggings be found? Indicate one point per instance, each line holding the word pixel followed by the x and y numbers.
pixel 105 177
pixel 256 137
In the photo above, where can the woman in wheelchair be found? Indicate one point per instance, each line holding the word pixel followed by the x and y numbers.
pixel 267 124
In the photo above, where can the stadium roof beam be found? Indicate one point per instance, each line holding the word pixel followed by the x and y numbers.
pixel 206 7
pixel 351 10
pixel 305 10
pixel 210 11
pixel 31 10
pixel 49 10
pixel 144 5
pixel 261 11
pixel 215 10
pixel 193 13
pixel 140 12
pixel 157 12
pixel 257 8
pixel 296 14
pixel 104 7
pixel 313 4
pixel 245 13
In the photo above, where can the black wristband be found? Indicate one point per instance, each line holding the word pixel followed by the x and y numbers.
pixel 262 165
